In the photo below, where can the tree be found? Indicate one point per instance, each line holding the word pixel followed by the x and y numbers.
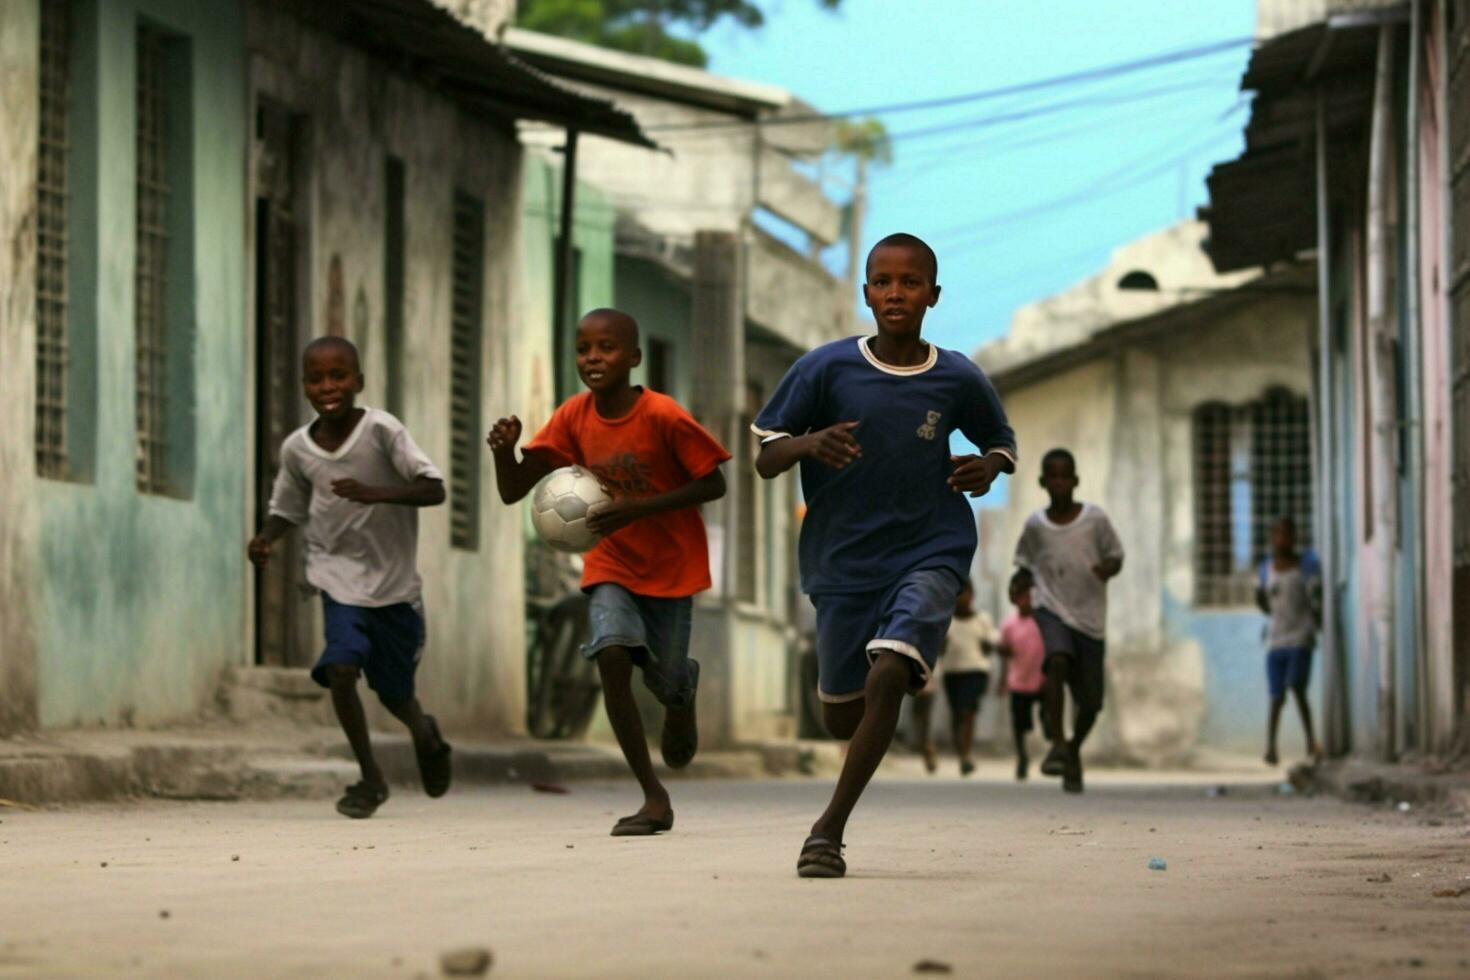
pixel 864 141
pixel 642 26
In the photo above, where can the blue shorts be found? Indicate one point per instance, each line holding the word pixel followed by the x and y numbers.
pixel 655 631
pixel 1288 668
pixel 383 642
pixel 910 617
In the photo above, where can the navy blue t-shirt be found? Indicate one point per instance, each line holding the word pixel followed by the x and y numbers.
pixel 891 511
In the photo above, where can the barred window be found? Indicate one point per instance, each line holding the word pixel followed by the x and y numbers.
pixel 163 264
pixel 1253 465
pixel 52 215
pixel 464 380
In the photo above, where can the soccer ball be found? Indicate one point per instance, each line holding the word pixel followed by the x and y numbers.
pixel 560 504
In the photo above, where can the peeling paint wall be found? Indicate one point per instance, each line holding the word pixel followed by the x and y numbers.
pixel 1179 677
pixel 356 112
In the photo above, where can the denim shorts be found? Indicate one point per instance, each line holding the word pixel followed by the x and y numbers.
pixel 1086 675
pixel 383 642
pixel 1288 668
pixel 654 630
pixel 910 617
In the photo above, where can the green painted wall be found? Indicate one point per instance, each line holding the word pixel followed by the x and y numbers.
pixel 143 596
pixel 663 308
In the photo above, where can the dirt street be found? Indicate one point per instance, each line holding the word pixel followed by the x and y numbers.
pixel 991 878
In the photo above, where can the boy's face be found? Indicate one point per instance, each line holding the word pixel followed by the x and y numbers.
pixel 900 289
pixel 1059 479
pixel 1021 598
pixel 332 379
pixel 1283 537
pixel 606 353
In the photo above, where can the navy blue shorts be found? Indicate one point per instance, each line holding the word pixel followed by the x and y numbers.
pixel 383 642
pixel 654 630
pixel 1288 668
pixel 964 690
pixel 910 617
pixel 1086 675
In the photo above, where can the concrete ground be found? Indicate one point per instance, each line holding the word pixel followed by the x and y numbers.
pixel 985 876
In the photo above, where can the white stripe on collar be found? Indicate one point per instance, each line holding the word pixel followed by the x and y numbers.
pixel 929 362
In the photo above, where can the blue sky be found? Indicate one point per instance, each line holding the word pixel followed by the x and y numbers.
pixel 1019 209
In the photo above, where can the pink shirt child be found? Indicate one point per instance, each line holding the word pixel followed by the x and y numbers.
pixel 1023 637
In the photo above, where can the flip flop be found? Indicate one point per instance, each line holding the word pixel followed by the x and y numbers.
pixel 642 825
pixel 680 742
pixel 360 801
pixel 434 769
pixel 821 858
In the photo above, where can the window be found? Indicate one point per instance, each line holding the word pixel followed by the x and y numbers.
pixel 393 266
pixel 656 360
pixel 163 267
pixel 1253 465
pixel 52 215
pixel 467 301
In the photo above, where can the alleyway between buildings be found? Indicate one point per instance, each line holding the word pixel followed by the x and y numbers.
pixel 988 877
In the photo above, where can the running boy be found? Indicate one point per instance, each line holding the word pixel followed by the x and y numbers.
pixel 354 478
pixel 888 537
pixel 1290 593
pixel 1024 653
pixel 967 664
pixel 660 466
pixel 1071 550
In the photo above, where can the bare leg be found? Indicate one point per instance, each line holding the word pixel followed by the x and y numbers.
pixel 1272 724
pixel 1303 706
pixel 1054 699
pixel 963 731
pixel 413 717
pixel 348 705
pixel 615 664
pixel 882 698
pixel 923 737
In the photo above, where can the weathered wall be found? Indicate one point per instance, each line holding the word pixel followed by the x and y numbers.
pixel 358 111
pixel 1178 676
pixel 19 68
pixel 139 599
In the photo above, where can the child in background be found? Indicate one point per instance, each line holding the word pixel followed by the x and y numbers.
pixel 1024 652
pixel 967 666
pixel 1290 593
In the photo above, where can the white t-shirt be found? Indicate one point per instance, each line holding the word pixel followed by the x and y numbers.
pixel 1291 595
pixel 962 651
pixel 359 554
pixel 1060 558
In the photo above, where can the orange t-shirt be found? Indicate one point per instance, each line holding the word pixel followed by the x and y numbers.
pixel 655 448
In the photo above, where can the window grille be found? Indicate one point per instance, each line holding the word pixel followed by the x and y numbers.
pixel 464 381
pixel 53 154
pixel 1252 465
pixel 152 189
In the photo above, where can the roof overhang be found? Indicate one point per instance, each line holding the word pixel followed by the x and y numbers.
pixel 1297 280
pixel 479 74
pixel 1263 204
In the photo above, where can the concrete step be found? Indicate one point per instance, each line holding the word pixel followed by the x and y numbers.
pixel 255 695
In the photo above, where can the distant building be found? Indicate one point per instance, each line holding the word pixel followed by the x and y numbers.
pixel 1185 397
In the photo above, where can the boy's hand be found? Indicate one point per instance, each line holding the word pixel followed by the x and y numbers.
pixel 357 492
pixel 835 446
pixel 505 434
pixel 974 474
pixel 1105 570
pixel 614 515
pixel 259 550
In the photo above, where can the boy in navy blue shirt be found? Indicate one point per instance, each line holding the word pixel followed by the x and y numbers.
pixel 888 538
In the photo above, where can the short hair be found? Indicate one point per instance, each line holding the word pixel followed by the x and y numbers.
pixel 902 239
pixel 616 316
pixel 1287 521
pixel 340 343
pixel 1021 580
pixel 1059 455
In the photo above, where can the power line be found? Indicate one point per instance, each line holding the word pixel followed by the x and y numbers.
pixel 1088 75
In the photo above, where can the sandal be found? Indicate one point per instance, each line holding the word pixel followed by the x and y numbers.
pixel 821 858
pixel 680 741
pixel 361 800
pixel 642 825
pixel 434 769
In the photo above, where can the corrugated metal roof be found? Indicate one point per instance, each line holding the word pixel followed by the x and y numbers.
pixel 478 73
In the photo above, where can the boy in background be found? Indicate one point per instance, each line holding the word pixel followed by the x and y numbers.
pixel 1290 594
pixel 1025 653
pixel 967 665
pixel 1071 551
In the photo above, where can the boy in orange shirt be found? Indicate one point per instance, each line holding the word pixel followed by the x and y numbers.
pixel 659 465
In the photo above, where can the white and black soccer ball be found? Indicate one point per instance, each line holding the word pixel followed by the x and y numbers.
pixel 560 504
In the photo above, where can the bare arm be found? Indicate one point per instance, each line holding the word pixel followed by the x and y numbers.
pixel 833 446
pixel 625 510
pixel 259 549
pixel 422 492
pixel 514 478
pixel 1107 568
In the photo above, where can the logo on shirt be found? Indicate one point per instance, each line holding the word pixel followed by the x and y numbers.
pixel 930 428
pixel 626 474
